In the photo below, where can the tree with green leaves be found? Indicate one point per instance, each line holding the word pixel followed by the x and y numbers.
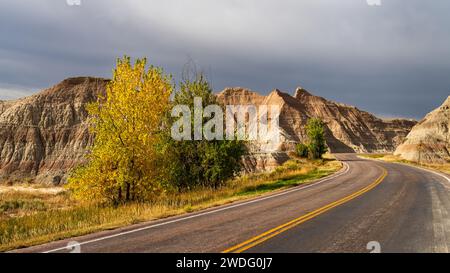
pixel 205 163
pixel 316 137
pixel 302 150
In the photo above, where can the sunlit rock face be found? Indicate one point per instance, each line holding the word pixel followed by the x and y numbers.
pixel 429 140
pixel 42 137
pixel 348 129
pixel 45 135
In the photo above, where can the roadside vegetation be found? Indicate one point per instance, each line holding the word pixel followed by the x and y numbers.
pixel 41 218
pixel 134 156
pixel 315 146
pixel 445 168
pixel 136 171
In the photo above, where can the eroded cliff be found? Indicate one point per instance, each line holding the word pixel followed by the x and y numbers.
pixel 45 135
pixel 429 140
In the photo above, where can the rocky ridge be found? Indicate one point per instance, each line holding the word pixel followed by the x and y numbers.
pixel 43 136
pixel 348 129
pixel 429 140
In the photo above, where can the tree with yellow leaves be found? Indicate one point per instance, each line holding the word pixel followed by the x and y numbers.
pixel 125 162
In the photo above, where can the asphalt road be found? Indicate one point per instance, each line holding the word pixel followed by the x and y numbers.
pixel 391 207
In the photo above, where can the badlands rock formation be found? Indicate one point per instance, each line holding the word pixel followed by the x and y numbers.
pixel 45 135
pixel 429 140
pixel 348 129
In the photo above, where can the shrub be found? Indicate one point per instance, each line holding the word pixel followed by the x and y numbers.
pixel 302 150
pixel 317 145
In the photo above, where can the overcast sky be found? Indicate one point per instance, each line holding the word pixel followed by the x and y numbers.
pixel 392 60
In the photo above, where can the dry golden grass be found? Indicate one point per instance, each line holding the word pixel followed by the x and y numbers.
pixel 20 203
pixel 445 168
pixel 40 218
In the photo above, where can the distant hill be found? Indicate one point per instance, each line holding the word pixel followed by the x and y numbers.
pixel 429 140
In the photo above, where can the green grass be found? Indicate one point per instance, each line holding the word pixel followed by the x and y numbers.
pixel 12 205
pixel 289 181
pixel 30 219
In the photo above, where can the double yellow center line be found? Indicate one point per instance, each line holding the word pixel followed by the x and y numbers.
pixel 282 228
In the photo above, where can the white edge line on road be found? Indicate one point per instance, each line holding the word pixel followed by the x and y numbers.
pixel 409 165
pixel 320 181
pixel 428 170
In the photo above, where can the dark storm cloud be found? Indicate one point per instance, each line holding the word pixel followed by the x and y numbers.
pixel 392 60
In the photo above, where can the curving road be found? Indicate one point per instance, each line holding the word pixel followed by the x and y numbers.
pixel 397 208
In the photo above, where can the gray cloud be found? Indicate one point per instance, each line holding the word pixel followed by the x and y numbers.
pixel 392 60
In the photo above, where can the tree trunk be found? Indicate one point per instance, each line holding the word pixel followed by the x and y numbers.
pixel 128 192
